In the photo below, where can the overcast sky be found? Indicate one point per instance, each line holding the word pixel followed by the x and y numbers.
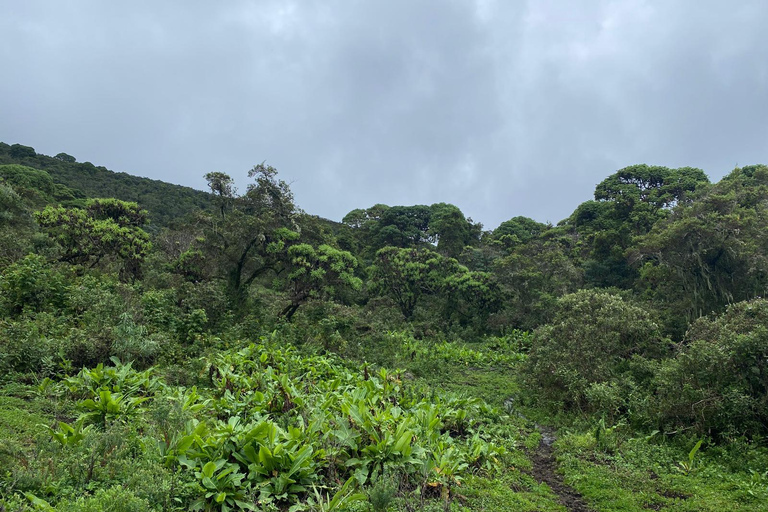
pixel 503 108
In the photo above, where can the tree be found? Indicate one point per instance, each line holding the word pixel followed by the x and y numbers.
pixel 19 151
pixel 249 239
pixel 628 204
pixel 710 252
pixel 451 230
pixel 659 187
pixel 534 275
pixel 317 272
pixel 404 226
pixel 395 226
pixel 520 230
pixel 471 296
pixel 65 158
pixel 105 228
pixel 35 186
pixel 405 274
pixel 222 186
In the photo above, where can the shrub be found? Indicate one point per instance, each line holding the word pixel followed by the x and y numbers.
pixel 31 284
pixel 718 381
pixel 580 358
pixel 114 499
pixel 32 343
pixel 104 312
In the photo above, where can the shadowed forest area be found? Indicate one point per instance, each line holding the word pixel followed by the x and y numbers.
pixel 164 349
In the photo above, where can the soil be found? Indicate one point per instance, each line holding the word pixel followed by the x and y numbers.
pixel 544 470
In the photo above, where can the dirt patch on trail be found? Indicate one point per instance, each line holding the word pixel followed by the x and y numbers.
pixel 544 470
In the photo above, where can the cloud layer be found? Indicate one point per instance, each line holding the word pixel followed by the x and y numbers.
pixel 502 108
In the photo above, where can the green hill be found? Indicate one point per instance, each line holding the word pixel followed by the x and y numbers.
pixel 164 201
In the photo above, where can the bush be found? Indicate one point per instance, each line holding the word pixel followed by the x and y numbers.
pixel 98 307
pixel 114 499
pixel 32 343
pixel 584 357
pixel 31 284
pixel 718 381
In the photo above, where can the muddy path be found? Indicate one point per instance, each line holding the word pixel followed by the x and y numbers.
pixel 545 470
pixel 544 465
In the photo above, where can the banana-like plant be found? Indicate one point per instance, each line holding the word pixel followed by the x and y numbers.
pixel 283 429
pixel 70 435
pixel 108 407
pixel 221 483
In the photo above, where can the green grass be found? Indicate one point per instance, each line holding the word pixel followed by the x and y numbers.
pixel 640 475
pixel 22 412
pixel 514 491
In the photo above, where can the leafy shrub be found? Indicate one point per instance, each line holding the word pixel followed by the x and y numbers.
pixel 132 343
pixel 114 499
pixel 32 343
pixel 718 381
pixel 579 358
pixel 16 225
pixel 158 308
pixel 31 284
pixel 34 185
pixel 102 310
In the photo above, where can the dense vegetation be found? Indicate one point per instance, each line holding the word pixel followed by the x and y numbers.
pixel 72 181
pixel 168 349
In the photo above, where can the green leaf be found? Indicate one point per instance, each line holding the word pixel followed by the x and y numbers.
pixel 40 504
pixel 695 449
pixel 185 443
pixel 209 469
pixel 404 442
pixel 301 457
pixel 266 457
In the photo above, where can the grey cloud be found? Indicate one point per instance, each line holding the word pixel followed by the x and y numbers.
pixel 502 108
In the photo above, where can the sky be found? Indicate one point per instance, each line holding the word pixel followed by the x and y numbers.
pixel 502 108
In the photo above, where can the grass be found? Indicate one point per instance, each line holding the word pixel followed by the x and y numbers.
pixel 514 491
pixel 22 412
pixel 640 475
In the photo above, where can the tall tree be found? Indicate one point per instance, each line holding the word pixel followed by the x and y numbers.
pixel 404 275
pixel 518 230
pixel 628 204
pixel 223 188
pixel 534 275
pixel 451 230
pixel 249 238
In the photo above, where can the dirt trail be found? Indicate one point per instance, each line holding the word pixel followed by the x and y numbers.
pixel 545 470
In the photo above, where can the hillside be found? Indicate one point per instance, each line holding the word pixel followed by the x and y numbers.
pixel 165 201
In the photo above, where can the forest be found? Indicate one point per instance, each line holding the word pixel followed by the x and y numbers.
pixel 168 349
